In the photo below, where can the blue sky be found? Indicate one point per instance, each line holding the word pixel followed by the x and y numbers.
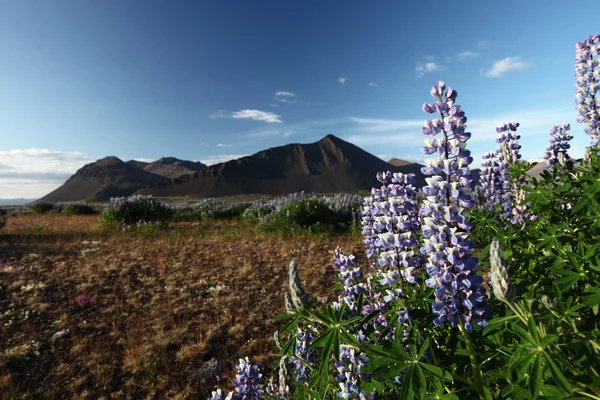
pixel 215 80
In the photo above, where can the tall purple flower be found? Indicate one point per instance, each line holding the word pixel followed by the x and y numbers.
pixel 350 276
pixel 490 181
pixel 303 357
pixel 349 372
pixel 588 84
pixel 512 196
pixel 459 295
pixel 390 223
pixel 248 382
pixel 558 146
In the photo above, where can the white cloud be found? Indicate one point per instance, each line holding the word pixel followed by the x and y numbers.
pixel 466 55
pixel 285 97
pixel 33 173
pixel 373 125
pixel 422 68
pixel 342 80
pixel 506 65
pixel 482 44
pixel 224 145
pixel 370 131
pixel 221 158
pixel 258 115
pixel 219 114
pixel 283 93
pixel 373 84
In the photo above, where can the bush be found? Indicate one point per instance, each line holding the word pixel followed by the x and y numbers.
pixel 137 210
pixel 79 209
pixel 312 215
pixel 42 207
pixel 3 218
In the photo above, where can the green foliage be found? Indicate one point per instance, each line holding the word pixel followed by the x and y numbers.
pixel 3 218
pixel 312 215
pixel 42 208
pixel 137 210
pixel 79 209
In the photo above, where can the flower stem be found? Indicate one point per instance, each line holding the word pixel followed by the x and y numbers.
pixel 474 363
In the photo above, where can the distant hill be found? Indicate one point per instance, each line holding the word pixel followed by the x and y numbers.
pixel 15 202
pixel 172 167
pixel 399 163
pixel 330 165
pixel 103 179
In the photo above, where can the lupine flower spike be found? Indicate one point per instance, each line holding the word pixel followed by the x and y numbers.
pixel 459 295
pixel 556 152
pixel 588 85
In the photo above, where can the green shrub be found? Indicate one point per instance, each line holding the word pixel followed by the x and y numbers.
pixel 137 210
pixel 312 215
pixel 3 218
pixel 79 209
pixel 42 207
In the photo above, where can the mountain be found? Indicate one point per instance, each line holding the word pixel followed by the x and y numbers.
pixel 330 165
pixel 399 163
pixel 137 164
pixel 103 179
pixel 172 167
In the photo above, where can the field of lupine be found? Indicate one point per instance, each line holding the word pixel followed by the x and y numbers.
pixel 450 295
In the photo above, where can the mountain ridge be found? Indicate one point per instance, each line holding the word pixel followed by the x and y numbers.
pixel 326 166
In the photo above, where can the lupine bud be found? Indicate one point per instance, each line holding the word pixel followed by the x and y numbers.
pixel 297 295
pixel 285 379
pixel 503 288
pixel 278 340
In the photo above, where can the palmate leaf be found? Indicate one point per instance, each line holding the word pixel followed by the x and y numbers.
pixel 538 196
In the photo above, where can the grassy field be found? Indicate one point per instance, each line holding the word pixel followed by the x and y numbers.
pixel 89 313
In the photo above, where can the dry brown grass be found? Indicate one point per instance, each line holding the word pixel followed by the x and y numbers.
pixel 160 306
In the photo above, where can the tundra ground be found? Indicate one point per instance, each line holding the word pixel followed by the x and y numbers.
pixel 90 313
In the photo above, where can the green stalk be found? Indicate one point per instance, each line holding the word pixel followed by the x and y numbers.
pixel 474 363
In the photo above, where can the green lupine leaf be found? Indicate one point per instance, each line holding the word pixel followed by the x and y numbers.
pixel 437 371
pixel 407 391
pixel 390 371
pixel 524 335
pixel 419 380
pixel 497 322
pixel 424 347
pixel 558 376
pixel 535 380
pixel 546 340
pixel 533 330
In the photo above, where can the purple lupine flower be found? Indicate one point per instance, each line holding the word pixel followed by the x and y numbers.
pixel 349 276
pixel 390 222
pixel 512 196
pixel 248 382
pixel 558 146
pixel 348 369
pixel 490 180
pixel 303 355
pixel 588 84
pixel 459 295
